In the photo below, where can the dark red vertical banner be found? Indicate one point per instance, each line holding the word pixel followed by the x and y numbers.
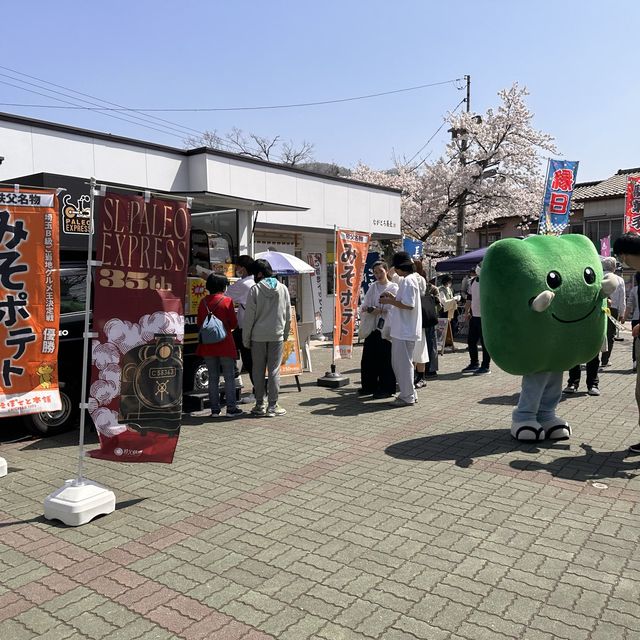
pixel 135 397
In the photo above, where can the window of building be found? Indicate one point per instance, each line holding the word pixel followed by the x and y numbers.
pixel 487 237
pixel 595 230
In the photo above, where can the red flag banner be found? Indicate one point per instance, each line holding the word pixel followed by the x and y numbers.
pixel 29 302
pixel 632 205
pixel 135 398
pixel 351 253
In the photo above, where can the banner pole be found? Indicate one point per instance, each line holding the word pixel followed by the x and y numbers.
pixel 544 193
pixel 85 346
pixel 332 378
pixel 335 295
pixel 81 500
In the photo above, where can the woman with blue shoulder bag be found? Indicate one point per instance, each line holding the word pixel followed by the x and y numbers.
pixel 216 345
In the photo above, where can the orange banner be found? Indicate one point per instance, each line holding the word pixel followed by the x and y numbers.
pixel 29 302
pixel 351 253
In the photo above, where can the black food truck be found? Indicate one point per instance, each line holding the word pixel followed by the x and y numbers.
pixel 211 246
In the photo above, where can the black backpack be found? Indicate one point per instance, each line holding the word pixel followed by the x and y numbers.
pixel 429 311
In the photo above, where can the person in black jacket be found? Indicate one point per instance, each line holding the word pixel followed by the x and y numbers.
pixel 430 303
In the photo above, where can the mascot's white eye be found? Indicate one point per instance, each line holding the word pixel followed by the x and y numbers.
pixel 589 275
pixel 553 279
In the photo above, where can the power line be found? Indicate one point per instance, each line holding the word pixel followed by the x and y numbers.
pixel 253 108
pixel 67 89
pixel 436 132
pixel 70 103
pixel 143 121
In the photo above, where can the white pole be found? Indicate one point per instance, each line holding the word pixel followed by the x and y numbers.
pixel 86 336
pixel 81 500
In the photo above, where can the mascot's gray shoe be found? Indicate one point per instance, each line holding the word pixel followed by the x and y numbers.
pixel 556 428
pixel 527 431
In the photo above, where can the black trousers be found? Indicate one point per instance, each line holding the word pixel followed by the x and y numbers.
pixel 376 372
pixel 611 332
pixel 245 354
pixel 474 336
pixel 432 346
pixel 592 373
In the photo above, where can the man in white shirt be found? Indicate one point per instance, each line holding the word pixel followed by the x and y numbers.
pixel 618 304
pixel 405 326
pixel 238 292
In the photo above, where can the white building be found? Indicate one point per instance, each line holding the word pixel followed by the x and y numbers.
pixel 252 203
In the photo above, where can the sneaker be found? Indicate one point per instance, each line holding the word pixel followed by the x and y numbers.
pixel 634 448
pixel 420 384
pixel 594 391
pixel 471 367
pixel 275 410
pixel 570 388
pixel 481 370
pixel 401 403
pixel 248 399
pixel 259 410
pixel 234 412
pixel 215 413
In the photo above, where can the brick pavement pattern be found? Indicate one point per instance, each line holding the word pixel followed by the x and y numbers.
pixel 344 519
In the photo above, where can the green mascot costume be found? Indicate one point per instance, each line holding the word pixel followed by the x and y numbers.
pixel 543 305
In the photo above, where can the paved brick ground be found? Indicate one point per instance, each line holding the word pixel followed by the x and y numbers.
pixel 344 519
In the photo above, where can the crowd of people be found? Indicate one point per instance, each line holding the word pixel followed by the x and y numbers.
pixel 399 316
pixel 256 314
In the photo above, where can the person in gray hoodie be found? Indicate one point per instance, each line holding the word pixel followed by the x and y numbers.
pixel 266 326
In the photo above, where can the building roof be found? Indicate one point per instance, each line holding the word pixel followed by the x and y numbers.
pixel 613 187
pixel 63 128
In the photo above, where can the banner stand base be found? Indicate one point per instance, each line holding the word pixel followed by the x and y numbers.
pixel 333 379
pixel 3 467
pixel 78 502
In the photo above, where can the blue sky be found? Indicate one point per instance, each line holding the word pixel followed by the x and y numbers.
pixel 576 59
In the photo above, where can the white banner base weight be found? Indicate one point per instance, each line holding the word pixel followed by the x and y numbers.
pixel 3 467
pixel 78 502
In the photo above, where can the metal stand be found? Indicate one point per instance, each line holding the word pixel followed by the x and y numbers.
pixel 3 467
pixel 333 379
pixel 81 500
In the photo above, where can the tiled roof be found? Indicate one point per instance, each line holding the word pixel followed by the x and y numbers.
pixel 613 187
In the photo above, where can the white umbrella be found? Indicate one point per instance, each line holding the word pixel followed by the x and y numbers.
pixel 284 264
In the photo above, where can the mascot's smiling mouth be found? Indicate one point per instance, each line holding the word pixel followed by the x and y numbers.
pixel 577 319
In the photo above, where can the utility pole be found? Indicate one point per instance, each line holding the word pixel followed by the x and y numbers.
pixel 460 231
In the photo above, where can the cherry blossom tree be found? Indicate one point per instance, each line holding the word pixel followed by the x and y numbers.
pixel 493 166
